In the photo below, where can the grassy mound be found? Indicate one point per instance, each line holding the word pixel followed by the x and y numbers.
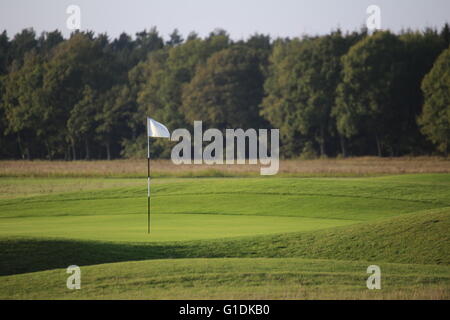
pixel 254 278
pixel 420 238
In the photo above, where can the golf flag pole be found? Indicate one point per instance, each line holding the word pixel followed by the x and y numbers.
pixel 156 130
pixel 148 184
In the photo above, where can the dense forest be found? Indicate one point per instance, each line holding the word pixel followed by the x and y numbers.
pixel 340 94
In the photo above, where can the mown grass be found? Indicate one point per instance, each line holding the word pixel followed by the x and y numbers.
pixel 419 238
pixel 218 208
pixel 256 278
pixel 222 232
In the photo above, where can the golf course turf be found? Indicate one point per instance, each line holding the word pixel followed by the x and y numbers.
pixel 248 238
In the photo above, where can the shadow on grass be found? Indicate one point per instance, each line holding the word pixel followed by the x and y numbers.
pixel 23 255
pixel 29 255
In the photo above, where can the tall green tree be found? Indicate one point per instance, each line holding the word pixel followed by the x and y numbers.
pixel 74 64
pixel 435 118
pixel 5 53
pixel 312 70
pixel 112 119
pixel 22 43
pixel 227 91
pixel 368 100
pixel 175 38
pixel 81 123
pixel 277 107
pixel 445 34
pixel 420 51
pixel 48 40
pixel 25 109
pixel 145 43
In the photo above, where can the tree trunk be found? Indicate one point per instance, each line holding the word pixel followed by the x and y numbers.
pixel 19 143
pixel 322 141
pixel 378 145
pixel 88 154
pixel 322 149
pixel 74 154
pixel 108 151
pixel 343 146
pixel 446 149
pixel 49 153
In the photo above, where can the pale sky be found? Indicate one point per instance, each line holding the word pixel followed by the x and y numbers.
pixel 241 18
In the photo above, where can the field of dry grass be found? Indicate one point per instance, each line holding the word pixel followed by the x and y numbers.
pixel 362 166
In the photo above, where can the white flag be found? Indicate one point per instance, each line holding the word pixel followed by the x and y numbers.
pixel 156 129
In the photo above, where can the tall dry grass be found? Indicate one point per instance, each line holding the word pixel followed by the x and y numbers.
pixel 361 166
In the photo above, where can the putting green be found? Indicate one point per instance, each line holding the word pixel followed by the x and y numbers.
pixel 166 227
pixel 195 209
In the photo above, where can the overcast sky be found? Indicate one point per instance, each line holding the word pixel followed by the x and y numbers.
pixel 240 18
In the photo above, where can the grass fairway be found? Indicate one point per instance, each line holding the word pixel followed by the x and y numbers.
pixel 226 237
pixel 244 278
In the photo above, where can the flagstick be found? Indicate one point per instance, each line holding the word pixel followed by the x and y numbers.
pixel 157 130
pixel 148 184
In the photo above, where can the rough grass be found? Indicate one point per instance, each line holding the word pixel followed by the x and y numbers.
pixel 29 187
pixel 362 166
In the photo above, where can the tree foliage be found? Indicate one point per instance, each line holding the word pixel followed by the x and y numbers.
pixel 435 118
pixel 302 85
pixel 227 91
pixel 87 97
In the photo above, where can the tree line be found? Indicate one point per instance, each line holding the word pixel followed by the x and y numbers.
pixel 340 94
